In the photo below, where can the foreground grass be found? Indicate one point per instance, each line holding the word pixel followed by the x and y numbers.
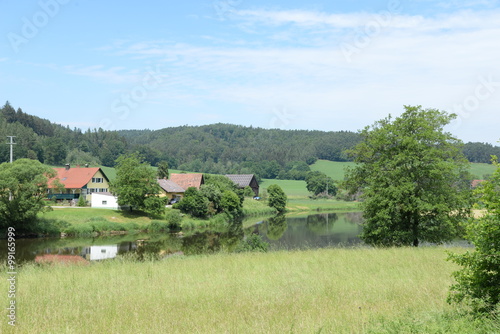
pixel 328 291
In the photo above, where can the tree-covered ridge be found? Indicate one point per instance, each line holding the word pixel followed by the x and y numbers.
pixel 217 148
pixel 54 144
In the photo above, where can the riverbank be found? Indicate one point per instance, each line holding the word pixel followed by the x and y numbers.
pixel 360 290
pixel 90 221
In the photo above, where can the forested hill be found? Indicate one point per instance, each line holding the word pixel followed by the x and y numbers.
pixel 216 148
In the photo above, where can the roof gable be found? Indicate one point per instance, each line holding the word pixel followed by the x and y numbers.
pixel 77 177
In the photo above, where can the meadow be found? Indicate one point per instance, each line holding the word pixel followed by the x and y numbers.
pixel 360 290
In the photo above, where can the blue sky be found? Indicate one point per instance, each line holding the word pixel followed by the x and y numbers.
pixel 319 65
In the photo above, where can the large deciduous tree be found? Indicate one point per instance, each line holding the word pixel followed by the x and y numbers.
pixel 413 177
pixel 23 189
pixel 136 185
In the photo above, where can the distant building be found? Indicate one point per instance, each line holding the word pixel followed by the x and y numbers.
pixel 78 181
pixel 245 180
pixel 177 184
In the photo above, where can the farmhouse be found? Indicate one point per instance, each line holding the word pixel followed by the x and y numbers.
pixel 245 180
pixel 78 181
pixel 175 187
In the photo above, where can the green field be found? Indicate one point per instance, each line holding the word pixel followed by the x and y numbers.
pixel 76 215
pixel 314 291
pixel 333 169
pixel 480 171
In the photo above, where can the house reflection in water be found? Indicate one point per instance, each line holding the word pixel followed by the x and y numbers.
pixel 96 253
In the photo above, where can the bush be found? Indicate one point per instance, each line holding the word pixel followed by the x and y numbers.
pixel 478 282
pixel 158 226
pixel 174 218
pixel 81 201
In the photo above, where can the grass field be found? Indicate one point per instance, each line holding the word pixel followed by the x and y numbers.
pixel 481 170
pixel 314 291
pixel 77 215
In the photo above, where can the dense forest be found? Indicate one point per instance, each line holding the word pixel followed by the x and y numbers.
pixel 216 148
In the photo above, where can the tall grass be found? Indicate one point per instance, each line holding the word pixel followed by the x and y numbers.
pixel 328 291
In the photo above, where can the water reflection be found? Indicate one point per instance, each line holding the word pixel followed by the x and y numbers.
pixel 312 231
pixel 281 232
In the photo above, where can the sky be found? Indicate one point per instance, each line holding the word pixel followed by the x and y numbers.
pixel 316 65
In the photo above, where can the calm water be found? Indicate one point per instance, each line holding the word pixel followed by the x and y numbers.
pixel 313 231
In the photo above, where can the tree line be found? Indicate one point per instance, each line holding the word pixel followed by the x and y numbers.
pixel 215 149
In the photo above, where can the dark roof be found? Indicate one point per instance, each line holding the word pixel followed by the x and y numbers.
pixel 187 180
pixel 242 180
pixel 170 186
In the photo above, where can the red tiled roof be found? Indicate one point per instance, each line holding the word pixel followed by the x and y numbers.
pixel 187 180
pixel 76 177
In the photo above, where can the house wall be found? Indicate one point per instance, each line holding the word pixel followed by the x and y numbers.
pixel 103 201
pixel 163 193
pixel 97 187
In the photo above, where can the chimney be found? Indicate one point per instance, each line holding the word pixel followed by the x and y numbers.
pixel 67 167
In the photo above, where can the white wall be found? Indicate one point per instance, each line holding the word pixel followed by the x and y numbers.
pixel 103 201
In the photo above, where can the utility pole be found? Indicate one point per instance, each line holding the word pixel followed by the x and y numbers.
pixel 11 143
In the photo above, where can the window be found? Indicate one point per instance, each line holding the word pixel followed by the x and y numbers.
pixel 97 180
pixel 104 202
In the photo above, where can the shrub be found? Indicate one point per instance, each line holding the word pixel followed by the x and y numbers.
pixel 478 282
pixel 158 226
pixel 174 218
pixel 81 201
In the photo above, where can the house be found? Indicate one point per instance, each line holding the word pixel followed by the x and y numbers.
pixel 171 189
pixel 244 180
pixel 104 201
pixel 177 184
pixel 78 181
